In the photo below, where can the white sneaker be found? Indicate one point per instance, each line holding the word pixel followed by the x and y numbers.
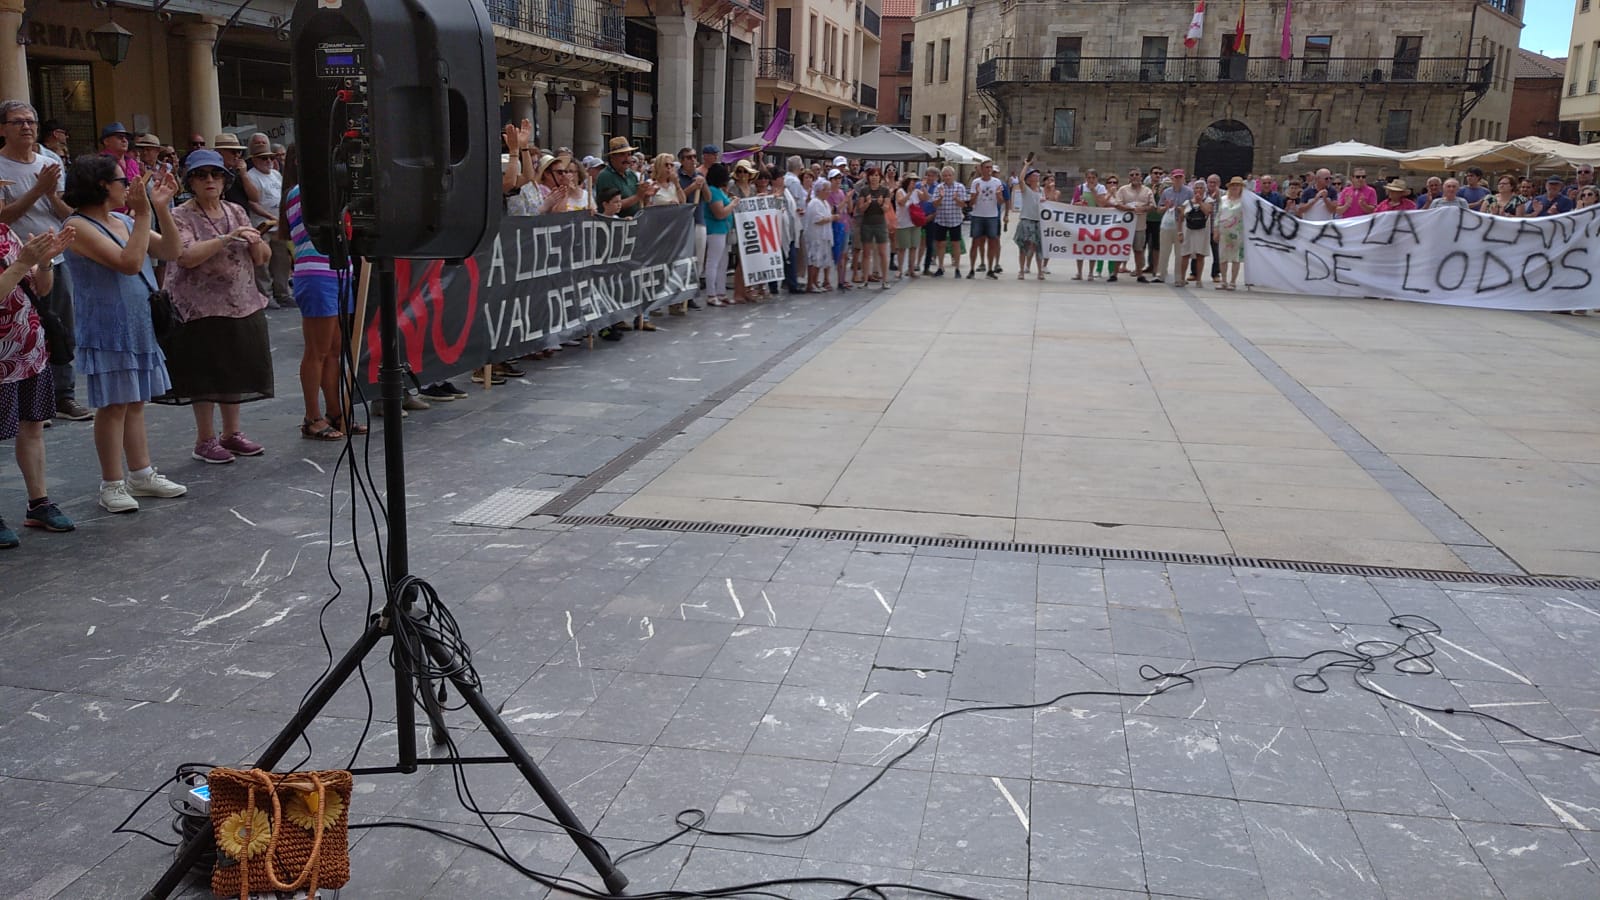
pixel 157 485
pixel 114 497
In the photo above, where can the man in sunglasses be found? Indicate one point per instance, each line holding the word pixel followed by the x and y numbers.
pixel 1359 198
pixel 30 186
pixel 1139 200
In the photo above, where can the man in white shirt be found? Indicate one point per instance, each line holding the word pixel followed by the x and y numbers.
pixel 31 180
pixel 1319 202
pixel 1134 197
pixel 793 166
pixel 987 194
pixel 272 279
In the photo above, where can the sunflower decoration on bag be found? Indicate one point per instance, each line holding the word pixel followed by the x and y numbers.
pixel 245 833
pixel 307 809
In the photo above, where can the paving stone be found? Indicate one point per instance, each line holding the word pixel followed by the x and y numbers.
pixel 1163 692
pixel 1416 857
pixel 929 616
pixel 1478 781
pixel 1257 695
pixel 999 620
pixel 1533 862
pixel 1275 765
pixel 886 726
pixel 719 715
pixel 993 672
pixel 634 708
pixel 1086 836
pixel 879 829
pixel 1080 628
pixel 1224 638
pixel 937 576
pixel 1277 597
pixel 1004 579
pixel 1138 585
pixel 1077 585
pixel 1397 786
pixel 1306 852
pixel 986 742
pixel 804 723
pixel 832 660
pixel 679 648
pixel 667 781
pixel 1346 598
pixel 709 869
pixel 1206 589
pixel 756 653
pixel 770 795
pixel 1177 755
pixel 1149 632
pixel 857 609
pixel 975 825
pixel 1205 849
pixel 1081 745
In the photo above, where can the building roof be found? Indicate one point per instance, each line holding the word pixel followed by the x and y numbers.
pixel 1534 65
pixel 900 9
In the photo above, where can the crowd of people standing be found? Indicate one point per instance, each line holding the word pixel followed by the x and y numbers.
pixel 149 274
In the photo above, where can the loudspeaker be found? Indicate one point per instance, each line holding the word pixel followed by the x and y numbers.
pixel 398 143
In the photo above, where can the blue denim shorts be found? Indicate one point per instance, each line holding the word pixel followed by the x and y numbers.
pixel 985 227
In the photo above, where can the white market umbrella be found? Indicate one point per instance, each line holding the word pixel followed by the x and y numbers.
pixel 1348 153
pixel 950 151
pixel 886 143
pixel 1288 159
pixel 1429 159
pixel 790 140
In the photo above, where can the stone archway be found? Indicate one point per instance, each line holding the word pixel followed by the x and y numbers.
pixel 1226 148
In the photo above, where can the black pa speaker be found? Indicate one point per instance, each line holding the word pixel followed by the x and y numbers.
pixel 397 146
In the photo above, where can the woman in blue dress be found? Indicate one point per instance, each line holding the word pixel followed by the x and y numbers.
pixel 117 350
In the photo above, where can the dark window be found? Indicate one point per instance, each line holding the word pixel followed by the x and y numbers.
pixel 927 75
pixel 905 52
pixel 1069 53
pixel 1307 129
pixel 902 106
pixel 1153 59
pixel 1065 132
pixel 1397 131
pixel 1314 57
pixel 1407 50
pixel 1147 133
pixel 781 28
pixel 1235 58
pixel 944 59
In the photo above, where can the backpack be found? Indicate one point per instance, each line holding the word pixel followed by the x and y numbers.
pixel 1195 217
pixel 920 213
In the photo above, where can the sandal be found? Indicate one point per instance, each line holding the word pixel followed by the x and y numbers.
pixel 356 428
pixel 327 432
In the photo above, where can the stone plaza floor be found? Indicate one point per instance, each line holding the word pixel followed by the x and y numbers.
pixel 846 516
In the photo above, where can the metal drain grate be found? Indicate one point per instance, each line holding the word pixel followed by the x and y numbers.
pixel 505 508
pixel 1159 556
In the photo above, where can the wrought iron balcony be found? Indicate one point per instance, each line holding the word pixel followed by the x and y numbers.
pixel 1572 89
pixel 1593 83
pixel 867 95
pixel 757 6
pixel 597 24
pixel 776 64
pixel 1451 70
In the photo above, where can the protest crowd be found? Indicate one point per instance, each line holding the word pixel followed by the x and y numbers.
pixel 149 273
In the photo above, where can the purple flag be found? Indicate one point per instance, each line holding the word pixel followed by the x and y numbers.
pixel 774 128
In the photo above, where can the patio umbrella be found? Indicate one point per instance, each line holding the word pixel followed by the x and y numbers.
pixel 960 155
pixel 790 140
pixel 1348 153
pixel 1429 159
pixel 886 143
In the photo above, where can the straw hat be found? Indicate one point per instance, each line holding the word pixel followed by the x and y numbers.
pixel 619 145
pixel 1398 186
pixel 744 165
pixel 226 141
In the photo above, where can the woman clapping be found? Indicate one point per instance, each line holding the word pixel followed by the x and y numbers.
pixel 112 280
pixel 221 355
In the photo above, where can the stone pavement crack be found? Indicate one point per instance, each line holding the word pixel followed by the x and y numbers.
pixel 1473 549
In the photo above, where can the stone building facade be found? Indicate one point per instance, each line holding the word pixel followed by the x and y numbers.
pixel 942 71
pixel 1109 83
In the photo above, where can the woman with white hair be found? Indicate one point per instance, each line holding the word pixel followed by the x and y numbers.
pixel 818 234
pixel 1194 221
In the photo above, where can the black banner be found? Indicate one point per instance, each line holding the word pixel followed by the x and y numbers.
pixel 542 280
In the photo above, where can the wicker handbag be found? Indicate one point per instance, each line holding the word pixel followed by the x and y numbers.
pixel 279 832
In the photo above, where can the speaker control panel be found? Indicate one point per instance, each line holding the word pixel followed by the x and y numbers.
pixel 341 70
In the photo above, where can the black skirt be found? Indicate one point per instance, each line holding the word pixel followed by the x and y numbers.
pixel 219 359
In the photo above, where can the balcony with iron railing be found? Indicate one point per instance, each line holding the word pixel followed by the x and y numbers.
pixel 596 24
pixel 1454 70
pixel 775 63
pixel 867 96
pixel 1593 84
pixel 1572 89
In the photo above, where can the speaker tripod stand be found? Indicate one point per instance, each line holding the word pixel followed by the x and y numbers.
pixel 400 603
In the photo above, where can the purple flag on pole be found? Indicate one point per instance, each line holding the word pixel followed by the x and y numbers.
pixel 774 128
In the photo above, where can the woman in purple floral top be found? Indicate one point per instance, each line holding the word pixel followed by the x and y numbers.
pixel 221 355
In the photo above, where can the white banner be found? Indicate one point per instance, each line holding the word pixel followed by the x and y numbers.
pixel 758 231
pixel 1449 255
pixel 1084 232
